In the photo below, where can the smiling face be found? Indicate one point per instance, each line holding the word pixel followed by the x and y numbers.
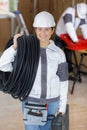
pixel 44 35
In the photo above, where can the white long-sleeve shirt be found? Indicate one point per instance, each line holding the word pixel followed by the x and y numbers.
pixel 68 24
pixel 53 62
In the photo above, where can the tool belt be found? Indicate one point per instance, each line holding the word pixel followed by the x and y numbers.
pixel 35 114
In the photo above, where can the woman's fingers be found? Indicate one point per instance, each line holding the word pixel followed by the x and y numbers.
pixel 15 40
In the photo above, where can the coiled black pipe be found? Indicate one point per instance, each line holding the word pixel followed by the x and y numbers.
pixel 19 82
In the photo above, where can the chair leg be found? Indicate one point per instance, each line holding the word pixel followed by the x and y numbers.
pixel 77 76
pixel 85 66
pixel 73 86
pixel 77 66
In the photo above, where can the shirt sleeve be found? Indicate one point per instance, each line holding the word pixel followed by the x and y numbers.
pixel 69 27
pixel 71 32
pixel 62 72
pixel 6 59
pixel 83 26
pixel 67 18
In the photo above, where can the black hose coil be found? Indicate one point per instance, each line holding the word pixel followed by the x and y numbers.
pixel 19 82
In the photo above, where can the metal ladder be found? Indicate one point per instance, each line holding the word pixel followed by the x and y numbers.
pixel 21 27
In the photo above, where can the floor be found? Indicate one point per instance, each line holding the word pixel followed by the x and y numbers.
pixel 11 113
pixel 78 105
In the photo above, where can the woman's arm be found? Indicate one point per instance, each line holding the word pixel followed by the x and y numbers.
pixel 8 56
pixel 6 59
pixel 63 75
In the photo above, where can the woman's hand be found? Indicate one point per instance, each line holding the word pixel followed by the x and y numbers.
pixel 15 40
pixel 57 113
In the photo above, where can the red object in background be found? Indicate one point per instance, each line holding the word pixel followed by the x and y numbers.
pixel 81 45
pixel 46 106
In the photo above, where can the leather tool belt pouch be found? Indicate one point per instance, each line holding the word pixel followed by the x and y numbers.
pixel 35 114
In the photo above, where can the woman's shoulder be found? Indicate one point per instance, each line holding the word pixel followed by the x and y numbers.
pixel 59 52
pixel 56 48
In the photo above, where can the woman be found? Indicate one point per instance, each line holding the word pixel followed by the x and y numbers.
pixel 51 83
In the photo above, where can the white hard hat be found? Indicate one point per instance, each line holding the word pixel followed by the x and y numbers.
pixel 82 10
pixel 44 19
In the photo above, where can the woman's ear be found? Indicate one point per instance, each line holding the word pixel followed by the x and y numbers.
pixel 53 29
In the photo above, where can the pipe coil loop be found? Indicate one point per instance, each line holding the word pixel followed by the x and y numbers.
pixel 19 82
